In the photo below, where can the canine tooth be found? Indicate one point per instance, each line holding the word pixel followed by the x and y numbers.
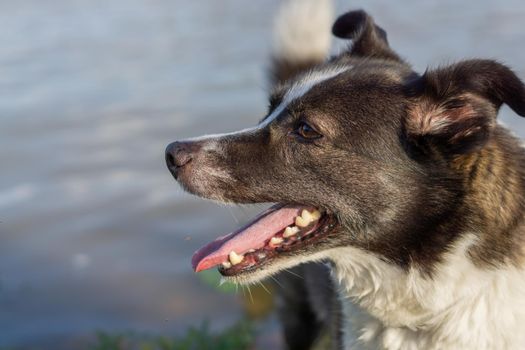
pixel 226 264
pixel 235 258
pixel 290 231
pixel 276 240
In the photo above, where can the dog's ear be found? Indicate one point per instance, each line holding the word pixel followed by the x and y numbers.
pixel 369 40
pixel 455 108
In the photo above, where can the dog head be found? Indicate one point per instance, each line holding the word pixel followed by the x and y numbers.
pixel 359 151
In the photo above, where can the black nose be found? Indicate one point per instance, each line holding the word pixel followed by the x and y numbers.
pixel 178 154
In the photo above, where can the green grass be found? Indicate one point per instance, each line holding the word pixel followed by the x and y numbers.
pixel 238 337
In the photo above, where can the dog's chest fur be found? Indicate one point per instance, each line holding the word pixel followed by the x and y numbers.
pixel 459 307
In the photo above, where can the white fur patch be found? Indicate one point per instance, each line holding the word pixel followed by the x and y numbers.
pixel 305 83
pixel 310 79
pixel 460 307
pixel 302 30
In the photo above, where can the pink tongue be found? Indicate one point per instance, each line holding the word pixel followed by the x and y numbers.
pixel 252 236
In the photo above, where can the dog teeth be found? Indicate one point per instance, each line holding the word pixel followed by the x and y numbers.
pixel 306 218
pixel 303 220
pixel 276 241
pixel 226 264
pixel 316 214
pixel 290 231
pixel 235 258
pixel 300 222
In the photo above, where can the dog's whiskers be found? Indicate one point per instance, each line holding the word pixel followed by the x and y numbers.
pixel 276 281
pixel 243 292
pixel 264 287
pixel 233 214
pixel 294 274
pixel 250 292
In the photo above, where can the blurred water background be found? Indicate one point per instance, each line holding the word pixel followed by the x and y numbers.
pixel 94 232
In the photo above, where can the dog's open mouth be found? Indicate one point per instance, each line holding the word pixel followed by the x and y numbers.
pixel 280 229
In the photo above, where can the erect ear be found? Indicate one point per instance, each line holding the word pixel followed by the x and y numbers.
pixel 369 40
pixel 455 107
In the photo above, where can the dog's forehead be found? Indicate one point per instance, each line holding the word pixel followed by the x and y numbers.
pixel 307 81
pixel 324 79
pixel 295 88
pixel 292 91
pixel 394 72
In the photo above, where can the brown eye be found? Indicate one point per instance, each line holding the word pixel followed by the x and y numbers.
pixel 307 132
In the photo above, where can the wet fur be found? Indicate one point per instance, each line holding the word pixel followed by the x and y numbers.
pixel 427 187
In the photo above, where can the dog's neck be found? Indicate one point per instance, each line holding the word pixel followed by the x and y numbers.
pixel 476 287
pixel 387 307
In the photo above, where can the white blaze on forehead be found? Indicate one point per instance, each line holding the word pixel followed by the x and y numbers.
pixel 302 86
pixel 294 92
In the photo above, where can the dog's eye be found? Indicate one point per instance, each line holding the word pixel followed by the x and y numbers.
pixel 307 132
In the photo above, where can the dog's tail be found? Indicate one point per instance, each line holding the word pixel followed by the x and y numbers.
pixel 302 37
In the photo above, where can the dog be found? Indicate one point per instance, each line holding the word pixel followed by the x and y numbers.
pixel 403 182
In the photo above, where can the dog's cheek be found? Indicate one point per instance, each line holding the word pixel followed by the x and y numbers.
pixel 374 193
